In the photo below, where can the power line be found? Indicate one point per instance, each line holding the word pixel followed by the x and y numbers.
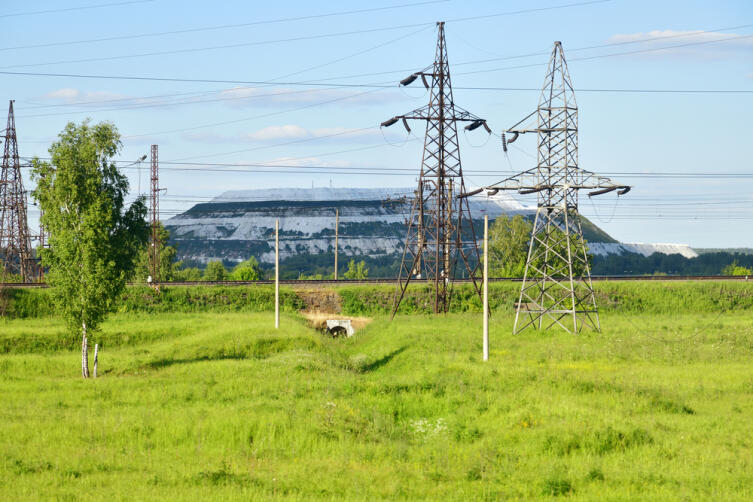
pixel 541 53
pixel 694 33
pixel 220 166
pixel 220 27
pixel 278 93
pixel 215 47
pixel 295 39
pixel 129 98
pixel 270 114
pixel 275 145
pixel 68 9
pixel 358 85
pixel 614 54
pixel 188 101
pixel 611 44
pixel 298 18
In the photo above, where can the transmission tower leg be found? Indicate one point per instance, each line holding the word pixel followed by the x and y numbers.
pixel 526 286
pixel 405 274
pixel 594 323
pixel 573 302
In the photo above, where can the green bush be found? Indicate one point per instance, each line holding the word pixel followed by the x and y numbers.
pixel 215 271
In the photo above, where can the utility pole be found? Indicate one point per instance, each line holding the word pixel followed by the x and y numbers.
pixel 277 273
pixel 440 229
pixel 557 288
pixel 337 227
pixel 154 245
pixel 15 239
pixel 486 290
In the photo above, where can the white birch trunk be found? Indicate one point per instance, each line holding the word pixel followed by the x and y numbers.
pixel 96 353
pixel 84 353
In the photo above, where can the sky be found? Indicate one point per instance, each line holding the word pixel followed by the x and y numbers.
pixel 243 95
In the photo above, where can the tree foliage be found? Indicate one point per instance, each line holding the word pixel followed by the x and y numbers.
pixel 509 240
pixel 356 270
pixel 248 270
pixel 668 264
pixel 215 271
pixel 736 269
pixel 168 265
pixel 187 274
pixel 508 246
pixel 94 237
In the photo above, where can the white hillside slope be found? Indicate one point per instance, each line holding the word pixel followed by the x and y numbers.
pixel 605 248
pixel 240 223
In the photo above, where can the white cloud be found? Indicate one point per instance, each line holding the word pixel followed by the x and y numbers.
pixel 107 100
pixel 69 95
pixel 292 132
pixel 207 137
pixel 243 97
pixel 288 132
pixel 272 133
pixel 65 94
pixel 307 161
pixel 705 44
pixel 145 140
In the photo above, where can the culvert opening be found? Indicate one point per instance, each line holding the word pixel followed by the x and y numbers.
pixel 337 332
pixel 335 325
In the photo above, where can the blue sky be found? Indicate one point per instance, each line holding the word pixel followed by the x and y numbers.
pixel 283 119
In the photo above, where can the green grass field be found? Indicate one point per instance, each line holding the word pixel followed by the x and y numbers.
pixel 220 406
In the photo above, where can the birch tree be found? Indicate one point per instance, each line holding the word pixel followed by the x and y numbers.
pixel 94 237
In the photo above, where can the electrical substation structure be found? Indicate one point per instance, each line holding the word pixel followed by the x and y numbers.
pixel 154 241
pixel 557 287
pixel 15 240
pixel 440 229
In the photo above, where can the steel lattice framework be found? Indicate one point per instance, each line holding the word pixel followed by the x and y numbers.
pixel 154 245
pixel 557 288
pixel 439 227
pixel 15 239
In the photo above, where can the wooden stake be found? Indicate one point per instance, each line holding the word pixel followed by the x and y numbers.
pixel 337 226
pixel 277 273
pixel 486 287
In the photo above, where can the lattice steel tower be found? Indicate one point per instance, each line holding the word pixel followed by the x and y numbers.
pixel 557 288
pixel 439 227
pixel 15 240
pixel 154 244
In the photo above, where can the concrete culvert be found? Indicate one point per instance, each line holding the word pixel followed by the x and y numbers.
pixel 329 323
pixel 340 328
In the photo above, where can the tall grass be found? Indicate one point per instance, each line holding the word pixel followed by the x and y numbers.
pixel 625 297
pixel 650 297
pixel 221 406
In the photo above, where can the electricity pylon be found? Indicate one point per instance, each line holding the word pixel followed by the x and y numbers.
pixel 154 242
pixel 15 239
pixel 557 288
pixel 438 220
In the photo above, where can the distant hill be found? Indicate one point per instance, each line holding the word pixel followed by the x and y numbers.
pixel 239 224
pixel 724 250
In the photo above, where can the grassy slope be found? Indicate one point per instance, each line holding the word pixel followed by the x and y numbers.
pixel 220 406
pixel 626 297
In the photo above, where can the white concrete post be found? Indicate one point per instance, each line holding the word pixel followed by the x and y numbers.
pixel 277 273
pixel 486 287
